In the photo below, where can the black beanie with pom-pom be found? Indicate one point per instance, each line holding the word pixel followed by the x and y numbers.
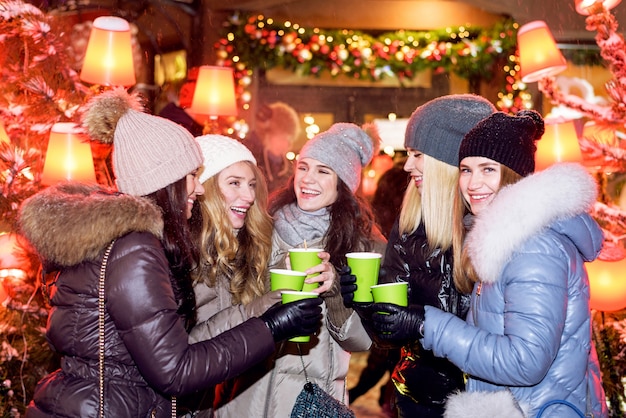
pixel 509 140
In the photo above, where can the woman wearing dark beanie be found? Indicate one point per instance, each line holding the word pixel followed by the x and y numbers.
pixel 525 238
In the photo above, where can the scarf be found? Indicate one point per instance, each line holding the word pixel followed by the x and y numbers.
pixel 295 226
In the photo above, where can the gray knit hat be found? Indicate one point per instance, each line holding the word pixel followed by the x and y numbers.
pixel 437 127
pixel 345 148
pixel 149 152
pixel 219 152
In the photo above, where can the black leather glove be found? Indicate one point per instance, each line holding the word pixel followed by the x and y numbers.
pixel 347 281
pixel 365 311
pixel 398 324
pixel 302 317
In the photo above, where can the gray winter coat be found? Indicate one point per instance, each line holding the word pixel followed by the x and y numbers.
pixel 529 324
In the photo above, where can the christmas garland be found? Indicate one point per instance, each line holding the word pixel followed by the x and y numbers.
pixel 469 52
pixel 472 53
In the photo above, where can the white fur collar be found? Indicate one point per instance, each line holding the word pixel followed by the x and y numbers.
pixel 523 209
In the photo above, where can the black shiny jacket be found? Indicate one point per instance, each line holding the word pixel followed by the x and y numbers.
pixel 147 357
pixel 419 374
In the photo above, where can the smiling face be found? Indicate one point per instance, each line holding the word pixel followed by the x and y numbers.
pixel 237 183
pixel 414 165
pixel 194 189
pixel 315 185
pixel 479 181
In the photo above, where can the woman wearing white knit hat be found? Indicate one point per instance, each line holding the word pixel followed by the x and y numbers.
pixel 234 231
pixel 120 261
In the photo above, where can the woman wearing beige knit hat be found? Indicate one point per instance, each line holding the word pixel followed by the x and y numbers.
pixel 120 263
pixel 318 208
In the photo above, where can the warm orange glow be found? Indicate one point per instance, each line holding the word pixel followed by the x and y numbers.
pixel 607 280
pixel 214 94
pixel 559 143
pixel 10 251
pixel 3 134
pixel 109 56
pixel 538 55
pixel 582 6
pixel 13 263
pixel 68 156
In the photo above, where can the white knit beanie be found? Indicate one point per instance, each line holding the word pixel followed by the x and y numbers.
pixel 344 147
pixel 219 152
pixel 149 152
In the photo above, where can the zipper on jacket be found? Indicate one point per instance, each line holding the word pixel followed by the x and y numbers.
pixel 474 309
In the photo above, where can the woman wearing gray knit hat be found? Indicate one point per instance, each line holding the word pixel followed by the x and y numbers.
pixel 528 331
pixel 120 262
pixel 420 248
pixel 319 209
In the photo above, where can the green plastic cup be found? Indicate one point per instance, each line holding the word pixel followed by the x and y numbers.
pixel 302 259
pixel 292 296
pixel 396 293
pixel 365 266
pixel 283 279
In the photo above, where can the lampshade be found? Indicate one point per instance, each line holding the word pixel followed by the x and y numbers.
pixel 538 55
pixel 214 94
pixel 583 6
pixel 559 143
pixel 607 282
pixel 13 263
pixel 68 156
pixel 109 56
pixel 3 134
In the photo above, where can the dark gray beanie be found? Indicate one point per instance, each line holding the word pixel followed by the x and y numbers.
pixel 344 147
pixel 437 127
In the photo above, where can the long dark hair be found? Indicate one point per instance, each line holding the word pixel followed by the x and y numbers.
pixel 352 222
pixel 179 248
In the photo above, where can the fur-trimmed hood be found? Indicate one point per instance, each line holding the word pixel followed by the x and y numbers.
pixel 483 404
pixel 524 209
pixel 72 222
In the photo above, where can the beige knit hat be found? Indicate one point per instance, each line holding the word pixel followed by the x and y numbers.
pixel 149 152
pixel 219 152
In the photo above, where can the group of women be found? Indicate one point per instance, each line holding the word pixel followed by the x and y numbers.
pixel 185 245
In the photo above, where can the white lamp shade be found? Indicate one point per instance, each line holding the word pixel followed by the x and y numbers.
pixel 606 283
pixel 109 56
pixel 214 94
pixel 584 7
pixel 68 156
pixel 539 57
pixel 559 143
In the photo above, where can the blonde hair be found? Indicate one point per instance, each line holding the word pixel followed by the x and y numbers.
pixel 432 205
pixel 242 256
pixel 464 272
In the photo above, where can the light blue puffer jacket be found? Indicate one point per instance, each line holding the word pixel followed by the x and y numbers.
pixel 529 324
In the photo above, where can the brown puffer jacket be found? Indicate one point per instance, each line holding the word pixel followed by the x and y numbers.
pixel 147 357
